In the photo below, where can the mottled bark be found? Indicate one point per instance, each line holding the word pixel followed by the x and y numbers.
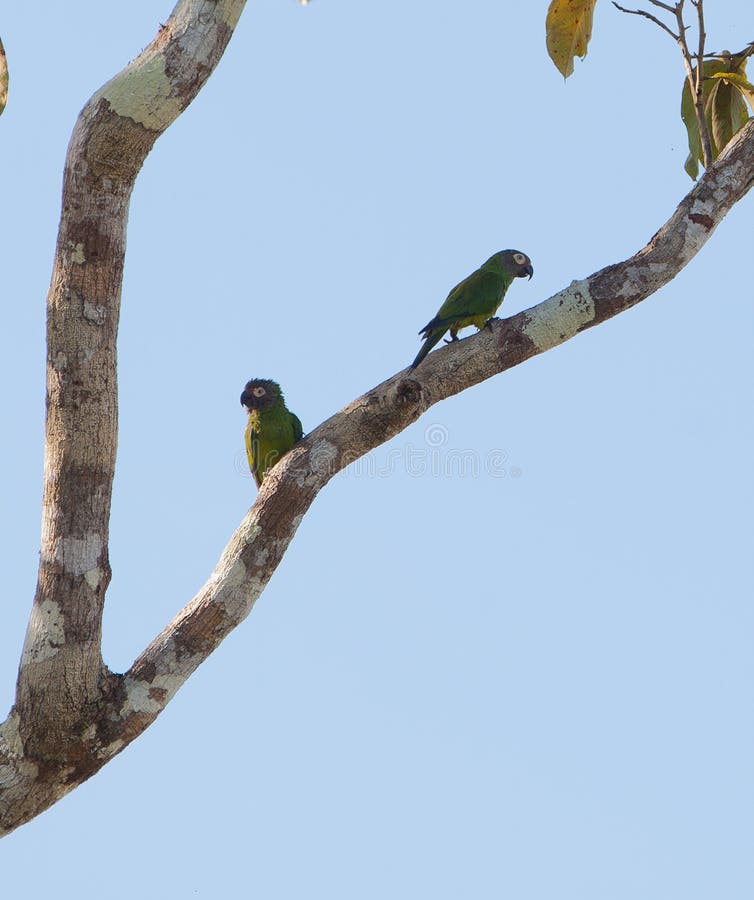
pixel 72 715
pixel 54 735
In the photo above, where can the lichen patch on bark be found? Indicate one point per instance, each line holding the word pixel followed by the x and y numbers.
pixel 45 634
pixel 561 317
pixel 78 556
pixel 10 737
pixel 76 253
pixel 141 696
pixel 323 457
pixel 95 313
pixel 143 93
pixel 93 578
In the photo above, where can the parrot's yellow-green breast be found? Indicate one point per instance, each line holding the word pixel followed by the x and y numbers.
pixel 272 429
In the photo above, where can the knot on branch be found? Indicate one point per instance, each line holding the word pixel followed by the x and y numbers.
pixel 408 392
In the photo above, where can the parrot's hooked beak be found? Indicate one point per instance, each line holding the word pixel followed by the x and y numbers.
pixel 528 270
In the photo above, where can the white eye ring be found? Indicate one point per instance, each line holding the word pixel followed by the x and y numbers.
pixel 259 392
pixel 519 258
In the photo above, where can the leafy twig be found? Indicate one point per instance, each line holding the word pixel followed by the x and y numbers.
pixel 696 81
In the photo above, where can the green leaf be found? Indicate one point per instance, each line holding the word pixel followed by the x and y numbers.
pixel 725 110
pixel 739 81
pixel 3 79
pixel 568 28
pixel 717 110
pixel 692 167
pixel 688 114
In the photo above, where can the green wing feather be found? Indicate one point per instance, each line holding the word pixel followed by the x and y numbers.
pixel 475 299
pixel 478 295
pixel 269 436
pixel 298 430
pixel 472 301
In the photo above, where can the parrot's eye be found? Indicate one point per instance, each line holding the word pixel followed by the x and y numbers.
pixel 259 392
pixel 519 259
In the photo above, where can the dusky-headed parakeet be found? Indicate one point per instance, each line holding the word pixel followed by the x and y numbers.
pixel 272 429
pixel 476 299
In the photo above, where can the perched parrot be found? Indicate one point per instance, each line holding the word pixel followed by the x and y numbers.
pixel 272 430
pixel 476 299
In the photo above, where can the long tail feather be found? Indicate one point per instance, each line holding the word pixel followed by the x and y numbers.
pixel 432 339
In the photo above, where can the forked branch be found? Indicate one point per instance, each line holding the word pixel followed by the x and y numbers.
pixel 128 704
pixel 72 715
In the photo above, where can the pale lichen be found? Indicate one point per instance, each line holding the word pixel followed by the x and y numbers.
pixel 76 253
pixel 237 575
pixel 45 634
pixel 151 696
pixel 95 313
pixel 142 92
pixel 10 736
pixel 561 317
pixel 79 555
pixel 323 457
pixel 93 578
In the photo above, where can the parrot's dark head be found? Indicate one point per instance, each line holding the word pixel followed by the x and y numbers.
pixel 518 263
pixel 261 393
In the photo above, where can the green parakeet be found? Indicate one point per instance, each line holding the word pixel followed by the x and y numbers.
pixel 272 430
pixel 476 299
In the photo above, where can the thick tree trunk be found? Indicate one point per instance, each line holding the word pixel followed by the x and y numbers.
pixel 72 715
pixel 57 734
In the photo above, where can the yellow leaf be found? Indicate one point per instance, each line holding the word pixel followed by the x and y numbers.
pixel 569 28
pixel 738 80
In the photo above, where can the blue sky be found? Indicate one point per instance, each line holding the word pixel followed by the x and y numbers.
pixel 531 680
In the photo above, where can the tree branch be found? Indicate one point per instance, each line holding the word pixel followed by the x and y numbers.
pixel 648 15
pixel 288 491
pixel 665 6
pixel 698 86
pixel 61 676
pixel 695 78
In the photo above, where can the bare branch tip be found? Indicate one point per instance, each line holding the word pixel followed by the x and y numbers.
pixel 648 15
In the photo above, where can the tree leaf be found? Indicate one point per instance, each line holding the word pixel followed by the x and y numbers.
pixel 3 79
pixel 726 112
pixel 739 81
pixel 688 115
pixel 569 28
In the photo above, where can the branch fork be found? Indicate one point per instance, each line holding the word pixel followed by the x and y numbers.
pixel 72 715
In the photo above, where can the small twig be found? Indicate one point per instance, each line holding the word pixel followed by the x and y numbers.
pixel 641 12
pixel 670 9
pixel 699 4
pixel 694 79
